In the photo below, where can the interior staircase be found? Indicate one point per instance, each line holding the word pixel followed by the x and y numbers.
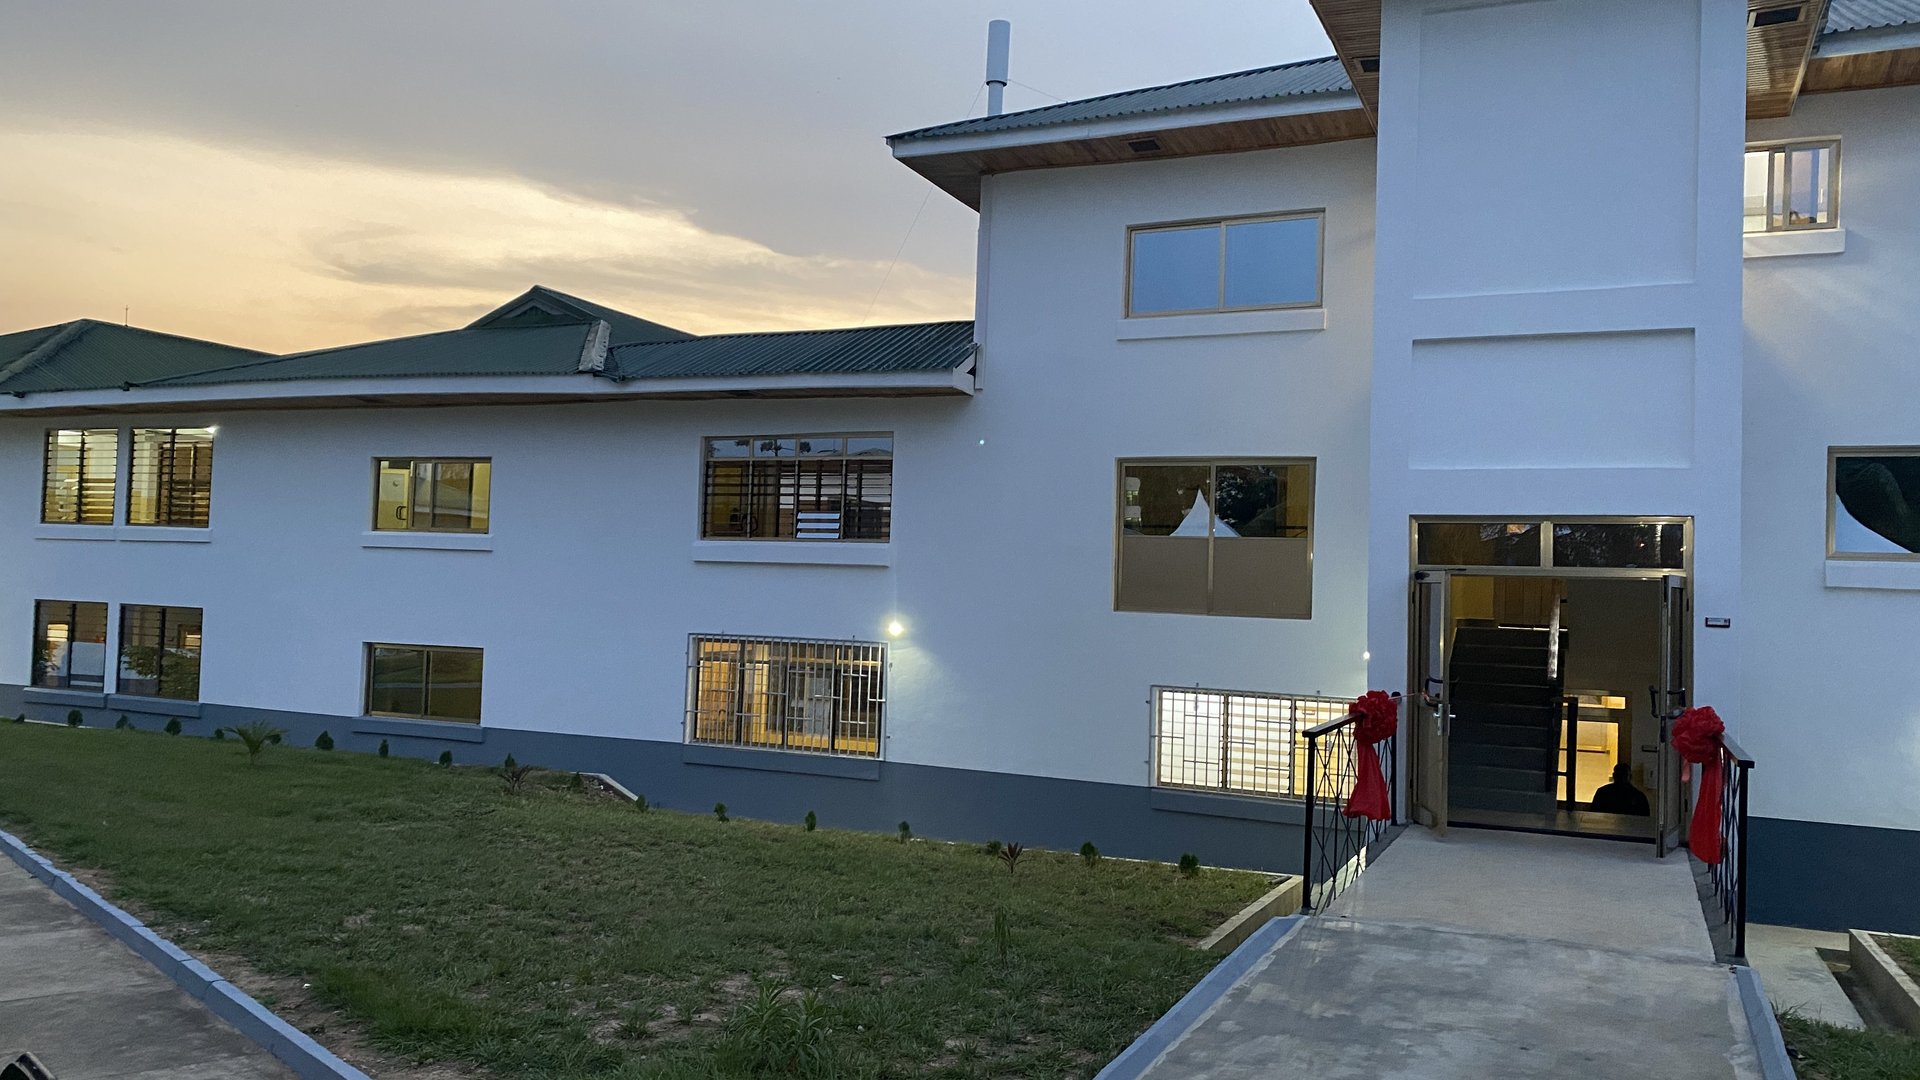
pixel 1506 700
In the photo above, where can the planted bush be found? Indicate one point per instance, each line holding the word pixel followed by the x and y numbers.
pixel 813 821
pixel 219 734
pixel 1010 854
pixel 906 832
pixel 73 718
pixel 640 803
pixel 779 1034
pixel 511 771
pixel 446 759
pixel 1089 854
pixel 1189 866
pixel 173 725
pixel 256 737
pixel 324 742
pixel 383 748
pixel 720 811
pixel 123 723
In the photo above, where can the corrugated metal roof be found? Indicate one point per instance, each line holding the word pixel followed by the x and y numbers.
pixel 90 355
pixel 539 305
pixel 552 349
pixel 940 346
pixel 1844 15
pixel 1323 75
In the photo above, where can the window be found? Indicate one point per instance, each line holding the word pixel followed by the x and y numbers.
pixel 1239 264
pixel 1792 186
pixel 798 487
pixel 1650 544
pixel 1873 503
pixel 69 645
pixel 424 682
pixel 160 652
pixel 172 482
pixel 82 469
pixel 1244 743
pixel 1216 538
pixel 433 495
pixel 821 697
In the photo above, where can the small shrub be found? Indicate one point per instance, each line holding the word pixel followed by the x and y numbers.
pixel 813 821
pixel 906 832
pixel 383 748
pixel 173 725
pixel 511 771
pixel 1189 866
pixel 21 719
pixel 123 723
pixel 219 734
pixel 256 737
pixel 446 759
pixel 73 718
pixel 777 1034
pixel 993 848
pixel 1002 933
pixel 324 742
pixel 1089 854
pixel 1010 854
pixel 640 803
pixel 577 784
pixel 720 811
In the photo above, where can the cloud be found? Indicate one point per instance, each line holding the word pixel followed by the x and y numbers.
pixel 285 250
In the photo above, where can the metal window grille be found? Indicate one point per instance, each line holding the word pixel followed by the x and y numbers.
pixel 822 697
pixel 82 467
pixel 799 487
pixel 1235 741
pixel 172 479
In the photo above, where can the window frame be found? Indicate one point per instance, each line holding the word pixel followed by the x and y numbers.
pixel 1786 146
pixel 79 501
pixel 162 495
pixel 160 650
pixel 35 667
pixel 1317 214
pixel 874 653
pixel 1213 463
pixel 412 461
pixel 707 460
pixel 426 685
pixel 1834 454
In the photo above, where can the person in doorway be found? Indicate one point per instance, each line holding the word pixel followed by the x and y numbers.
pixel 1620 796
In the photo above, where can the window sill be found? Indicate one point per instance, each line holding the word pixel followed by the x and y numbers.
pixel 1222 324
pixel 445 730
pixel 795 552
pixel 786 761
pixel 153 706
pixel 163 534
pixel 73 532
pixel 79 699
pixel 1244 807
pixel 1803 242
pixel 1894 574
pixel 427 541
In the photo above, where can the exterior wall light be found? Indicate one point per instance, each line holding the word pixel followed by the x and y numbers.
pixel 895 628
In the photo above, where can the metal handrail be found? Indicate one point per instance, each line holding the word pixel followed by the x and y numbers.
pixel 1729 876
pixel 1335 848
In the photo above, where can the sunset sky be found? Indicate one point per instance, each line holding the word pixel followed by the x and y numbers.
pixel 285 175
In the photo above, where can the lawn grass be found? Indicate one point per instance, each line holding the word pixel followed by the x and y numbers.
pixel 1825 1052
pixel 565 934
pixel 1904 950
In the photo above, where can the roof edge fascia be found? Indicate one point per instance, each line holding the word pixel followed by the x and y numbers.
pixel 1871 39
pixel 1130 124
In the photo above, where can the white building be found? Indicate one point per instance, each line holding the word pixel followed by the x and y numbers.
pixel 1364 372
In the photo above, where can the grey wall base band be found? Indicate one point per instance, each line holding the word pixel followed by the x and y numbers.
pixel 298 1052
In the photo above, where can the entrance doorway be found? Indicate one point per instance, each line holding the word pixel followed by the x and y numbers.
pixel 1548 658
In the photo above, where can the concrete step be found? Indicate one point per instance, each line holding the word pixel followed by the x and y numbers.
pixel 1539 759
pixel 1472 798
pixel 1467 776
pixel 1536 717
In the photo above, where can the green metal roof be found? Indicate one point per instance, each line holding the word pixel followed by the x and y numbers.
pixel 1322 75
pixel 541 305
pixel 865 350
pixel 1846 15
pixel 89 355
pixel 552 349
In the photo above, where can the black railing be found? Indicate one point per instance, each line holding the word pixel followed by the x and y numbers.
pixel 1729 875
pixel 1337 847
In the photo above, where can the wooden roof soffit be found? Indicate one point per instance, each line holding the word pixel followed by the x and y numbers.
pixel 1354 28
pixel 1780 39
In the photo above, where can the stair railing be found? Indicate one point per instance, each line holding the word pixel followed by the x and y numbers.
pixel 1729 875
pixel 1336 847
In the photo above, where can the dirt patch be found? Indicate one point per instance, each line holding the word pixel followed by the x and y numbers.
pixel 292 1000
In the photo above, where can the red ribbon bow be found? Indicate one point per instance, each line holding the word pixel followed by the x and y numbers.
pixel 1696 736
pixel 1379 718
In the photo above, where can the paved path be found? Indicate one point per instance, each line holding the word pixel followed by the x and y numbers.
pixel 1486 956
pixel 1797 977
pixel 90 1009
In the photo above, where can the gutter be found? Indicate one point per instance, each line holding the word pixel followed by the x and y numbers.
pixel 1130 124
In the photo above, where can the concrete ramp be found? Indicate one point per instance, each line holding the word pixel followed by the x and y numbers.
pixel 1480 956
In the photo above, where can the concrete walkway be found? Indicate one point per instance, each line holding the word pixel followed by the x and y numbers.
pixel 1486 955
pixel 90 1009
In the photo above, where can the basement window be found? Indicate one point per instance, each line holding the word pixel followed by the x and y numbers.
pixel 1792 186
pixel 818 697
pixel 424 682
pixel 1229 264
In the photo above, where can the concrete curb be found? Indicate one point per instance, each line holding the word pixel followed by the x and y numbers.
pixel 1136 1059
pixel 301 1054
pixel 1891 987
pixel 1768 1045
pixel 1280 901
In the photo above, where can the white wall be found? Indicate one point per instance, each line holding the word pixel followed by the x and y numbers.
pixel 1829 707
pixel 1013 659
pixel 1557 296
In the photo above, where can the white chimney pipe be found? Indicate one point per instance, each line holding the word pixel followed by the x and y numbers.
pixel 998 32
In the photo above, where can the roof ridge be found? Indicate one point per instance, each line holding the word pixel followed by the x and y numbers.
pixel 780 333
pixel 67 334
pixel 177 337
pixel 276 357
pixel 1125 93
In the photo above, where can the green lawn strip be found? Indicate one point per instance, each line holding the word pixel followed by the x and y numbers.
pixel 556 934
pixel 1825 1052
pixel 1904 950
